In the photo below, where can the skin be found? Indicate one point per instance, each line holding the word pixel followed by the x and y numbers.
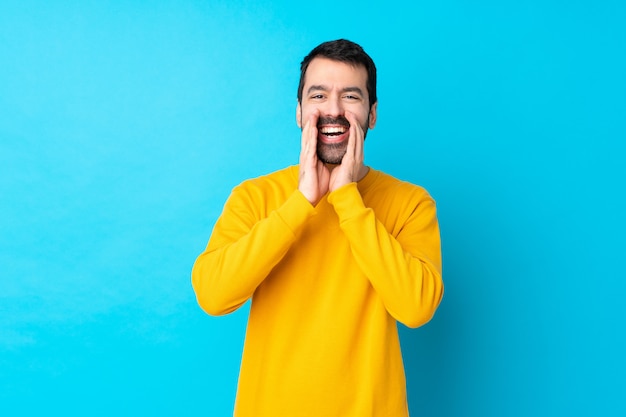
pixel 333 89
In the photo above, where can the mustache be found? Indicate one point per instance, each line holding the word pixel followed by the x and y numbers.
pixel 326 120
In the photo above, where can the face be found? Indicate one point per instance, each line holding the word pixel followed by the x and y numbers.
pixel 330 89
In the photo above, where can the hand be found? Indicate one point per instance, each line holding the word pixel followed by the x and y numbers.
pixel 351 168
pixel 314 175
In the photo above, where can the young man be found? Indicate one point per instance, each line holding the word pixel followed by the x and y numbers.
pixel 332 253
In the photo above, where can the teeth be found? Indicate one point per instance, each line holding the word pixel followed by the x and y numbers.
pixel 327 130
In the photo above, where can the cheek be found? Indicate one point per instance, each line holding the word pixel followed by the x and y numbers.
pixel 364 119
pixel 306 113
pixel 308 110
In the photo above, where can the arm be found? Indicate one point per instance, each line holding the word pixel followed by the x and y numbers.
pixel 405 269
pixel 247 243
pixel 243 249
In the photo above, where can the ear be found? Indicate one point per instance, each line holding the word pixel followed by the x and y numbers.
pixel 373 114
pixel 299 115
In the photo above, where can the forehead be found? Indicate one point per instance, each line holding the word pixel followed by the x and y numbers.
pixel 331 73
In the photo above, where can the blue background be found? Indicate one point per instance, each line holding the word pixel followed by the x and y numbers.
pixel 124 126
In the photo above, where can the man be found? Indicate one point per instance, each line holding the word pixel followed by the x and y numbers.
pixel 332 253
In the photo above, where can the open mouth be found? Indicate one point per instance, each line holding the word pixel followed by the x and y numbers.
pixel 332 134
pixel 332 131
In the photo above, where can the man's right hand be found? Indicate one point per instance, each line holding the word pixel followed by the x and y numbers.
pixel 314 175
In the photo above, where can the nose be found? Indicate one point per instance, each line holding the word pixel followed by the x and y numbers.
pixel 334 107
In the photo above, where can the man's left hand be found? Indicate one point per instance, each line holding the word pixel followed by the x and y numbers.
pixel 351 168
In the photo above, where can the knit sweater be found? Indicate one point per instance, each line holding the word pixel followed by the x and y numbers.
pixel 328 284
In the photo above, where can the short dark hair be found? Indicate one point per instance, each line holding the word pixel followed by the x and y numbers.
pixel 342 50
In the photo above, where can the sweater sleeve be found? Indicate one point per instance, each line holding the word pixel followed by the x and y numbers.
pixel 404 269
pixel 243 249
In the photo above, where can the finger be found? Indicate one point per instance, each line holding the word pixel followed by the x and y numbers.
pixel 360 140
pixel 355 140
pixel 357 126
pixel 309 136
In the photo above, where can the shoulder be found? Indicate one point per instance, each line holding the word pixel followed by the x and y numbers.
pixel 268 191
pixel 385 186
pixel 400 205
pixel 283 178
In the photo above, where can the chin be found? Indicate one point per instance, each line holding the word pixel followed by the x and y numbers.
pixel 333 161
pixel 331 154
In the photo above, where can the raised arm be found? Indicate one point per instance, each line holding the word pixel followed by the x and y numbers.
pixel 245 245
pixel 403 264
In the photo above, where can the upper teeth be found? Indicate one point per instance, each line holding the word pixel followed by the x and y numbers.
pixel 333 129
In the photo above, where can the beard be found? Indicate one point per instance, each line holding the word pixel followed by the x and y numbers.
pixel 332 153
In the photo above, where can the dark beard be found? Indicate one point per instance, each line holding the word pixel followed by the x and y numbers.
pixel 331 153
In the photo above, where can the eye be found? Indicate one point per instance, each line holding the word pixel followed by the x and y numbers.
pixel 351 97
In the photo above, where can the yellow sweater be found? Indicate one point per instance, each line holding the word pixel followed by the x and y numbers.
pixel 327 285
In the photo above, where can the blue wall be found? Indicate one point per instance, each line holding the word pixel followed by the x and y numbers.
pixel 123 127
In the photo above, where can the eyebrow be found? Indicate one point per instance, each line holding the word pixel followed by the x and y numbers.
pixel 344 90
